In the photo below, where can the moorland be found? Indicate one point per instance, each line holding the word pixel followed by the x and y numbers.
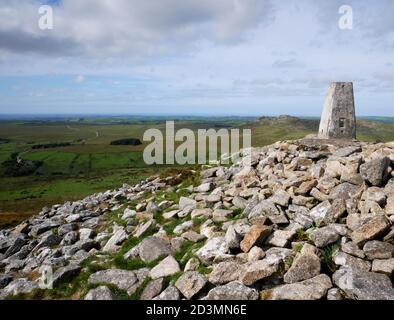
pixel 48 160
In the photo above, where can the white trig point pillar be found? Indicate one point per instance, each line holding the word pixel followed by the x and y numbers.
pixel 338 120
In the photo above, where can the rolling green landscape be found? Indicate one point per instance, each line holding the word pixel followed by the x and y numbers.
pixel 46 161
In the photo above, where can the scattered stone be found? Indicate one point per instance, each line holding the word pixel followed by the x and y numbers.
pixel 18 286
pixel 255 254
pixel 258 270
pixel 225 272
pixel 167 267
pixel 128 213
pixel 352 249
pixel 142 229
pixel 311 289
pixel 378 250
pixel 122 279
pixel 117 239
pixel 220 215
pixel 233 291
pixel 213 247
pixel 171 293
pixel 334 294
pixel 153 248
pixel 346 260
pixel 370 230
pixel 281 198
pixel 233 238
pixel 383 266
pixel 322 237
pixel 192 265
pixel 281 238
pixel 361 285
pixel 255 236
pixel 306 265
pixel 179 229
pixel 190 283
pixel 153 289
pixel 5 279
pixel 205 187
pixel 101 293
pixel 375 171
pixel 187 204
pixel 66 274
pixel 344 191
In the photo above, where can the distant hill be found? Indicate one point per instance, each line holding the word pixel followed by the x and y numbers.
pixel 267 130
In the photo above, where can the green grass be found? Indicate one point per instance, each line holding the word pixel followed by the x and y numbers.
pixel 328 264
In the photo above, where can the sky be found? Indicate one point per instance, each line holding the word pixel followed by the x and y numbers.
pixel 194 57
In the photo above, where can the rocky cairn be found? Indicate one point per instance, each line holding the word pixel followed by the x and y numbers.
pixel 297 220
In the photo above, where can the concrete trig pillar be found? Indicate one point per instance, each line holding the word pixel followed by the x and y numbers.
pixel 338 120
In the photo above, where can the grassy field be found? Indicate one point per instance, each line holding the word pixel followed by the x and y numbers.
pixel 90 164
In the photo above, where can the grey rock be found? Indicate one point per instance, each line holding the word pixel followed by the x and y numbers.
pixel 255 254
pixel 233 238
pixel 279 255
pixel 320 212
pixel 334 294
pixel 281 238
pixel 346 260
pixel 101 293
pixel 43 227
pixel 65 274
pixel 322 237
pixel 171 293
pixel 240 202
pixel 362 285
pixel 122 279
pixel 153 289
pixel 152 207
pixel 378 250
pixel 187 225
pixel 375 171
pixel 281 198
pixel 18 286
pixel 86 233
pixel 306 265
pixel 117 239
pixel 190 283
pixel 205 187
pixel 311 289
pixel 221 215
pixel 370 230
pixel 66 228
pixel 5 279
pixel 347 151
pixel 258 270
pixel 383 266
pixel 344 191
pixel 225 272
pixel 267 208
pixel 70 238
pixel 153 248
pixel 187 203
pixel 15 247
pixel 233 291
pixel 49 241
pixel 213 247
pixel 167 267
pixel 352 249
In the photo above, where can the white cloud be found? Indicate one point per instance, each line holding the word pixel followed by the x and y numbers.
pixel 79 79
pixel 128 28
